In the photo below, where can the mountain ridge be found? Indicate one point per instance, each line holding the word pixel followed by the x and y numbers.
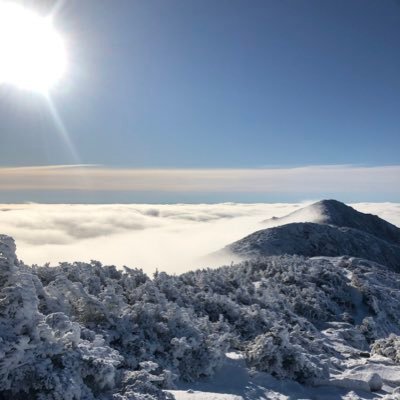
pixel 336 229
pixel 340 214
pixel 334 212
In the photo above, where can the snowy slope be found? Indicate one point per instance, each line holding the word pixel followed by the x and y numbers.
pixel 339 214
pixel 236 382
pixel 333 212
pixel 333 229
pixel 310 239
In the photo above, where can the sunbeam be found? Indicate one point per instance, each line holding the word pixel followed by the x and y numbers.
pixel 58 5
pixel 61 129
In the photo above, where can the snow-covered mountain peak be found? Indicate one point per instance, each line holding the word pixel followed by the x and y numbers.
pixel 333 212
pixel 326 228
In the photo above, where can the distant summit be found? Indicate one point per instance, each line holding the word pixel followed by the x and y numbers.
pixel 333 229
pixel 334 212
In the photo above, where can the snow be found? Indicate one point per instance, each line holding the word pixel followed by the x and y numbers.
pixel 311 239
pixel 326 228
pixel 235 381
pixel 192 395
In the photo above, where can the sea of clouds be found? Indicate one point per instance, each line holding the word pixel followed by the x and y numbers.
pixel 173 238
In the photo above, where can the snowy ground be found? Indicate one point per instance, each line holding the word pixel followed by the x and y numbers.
pixel 236 382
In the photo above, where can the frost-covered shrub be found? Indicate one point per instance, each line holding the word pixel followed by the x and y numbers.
pixel 195 359
pixel 49 357
pixel 141 385
pixel 45 356
pixel 283 355
pixel 388 347
pixel 369 329
pixel 84 330
pixel 380 288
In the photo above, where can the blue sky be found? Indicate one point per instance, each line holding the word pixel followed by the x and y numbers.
pixel 217 84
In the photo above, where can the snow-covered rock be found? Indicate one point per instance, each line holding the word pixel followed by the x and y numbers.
pixel 388 347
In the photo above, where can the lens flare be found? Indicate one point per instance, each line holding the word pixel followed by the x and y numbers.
pixel 32 53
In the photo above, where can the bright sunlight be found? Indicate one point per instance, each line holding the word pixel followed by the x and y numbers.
pixel 32 53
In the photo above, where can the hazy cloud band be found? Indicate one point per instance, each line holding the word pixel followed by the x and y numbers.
pixel 312 179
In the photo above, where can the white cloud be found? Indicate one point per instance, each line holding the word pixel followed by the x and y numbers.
pixel 169 237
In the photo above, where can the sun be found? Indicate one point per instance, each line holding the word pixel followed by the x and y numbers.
pixel 32 53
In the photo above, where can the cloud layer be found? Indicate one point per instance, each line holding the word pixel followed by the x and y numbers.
pixel 312 179
pixel 173 238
